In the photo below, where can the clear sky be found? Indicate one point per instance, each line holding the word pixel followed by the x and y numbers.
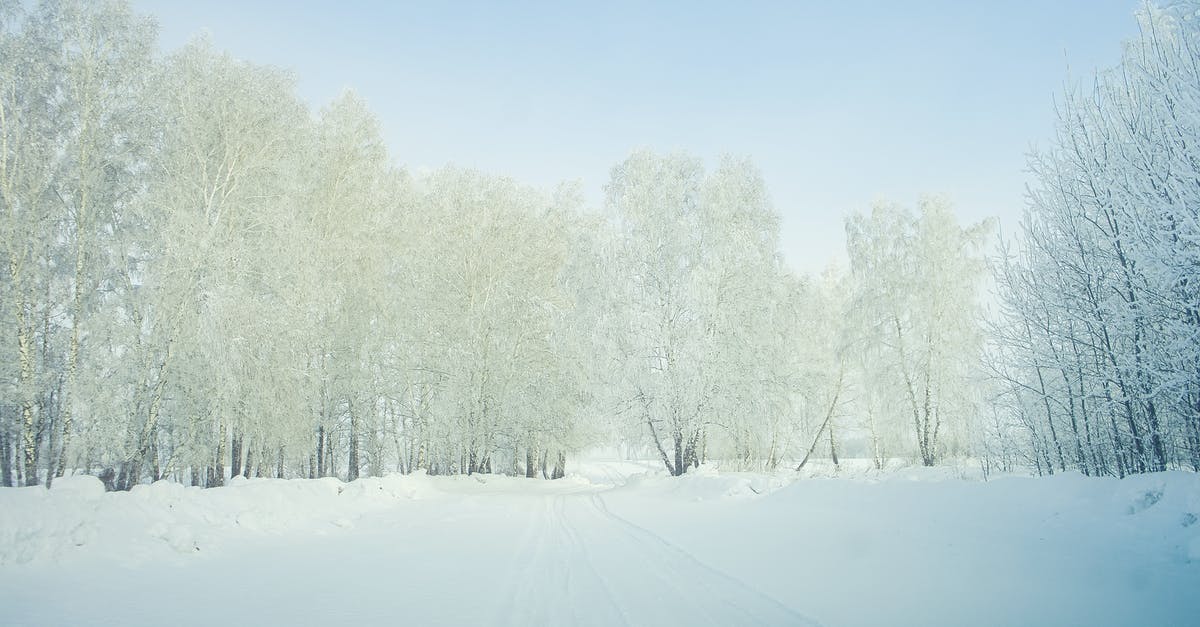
pixel 838 103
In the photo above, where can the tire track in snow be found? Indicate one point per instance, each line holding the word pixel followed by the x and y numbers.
pixel 578 563
pixel 719 598
pixel 614 615
pixel 521 603
pixel 552 581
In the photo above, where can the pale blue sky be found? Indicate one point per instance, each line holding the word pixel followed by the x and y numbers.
pixel 838 103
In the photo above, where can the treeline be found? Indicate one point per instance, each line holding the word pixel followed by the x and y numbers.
pixel 1098 351
pixel 204 279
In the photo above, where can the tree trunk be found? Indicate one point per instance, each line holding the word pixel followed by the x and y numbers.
pixel 321 451
pixel 1194 434
pixel 352 469
pixel 219 471
pixel 246 463
pixel 928 443
pixel 876 449
pixel 235 455
pixel 560 466
pixel 375 462
pixel 28 428
pixel 6 460
pixel 422 454
pixel 828 418
pixel 680 467
pixel 658 444
pixel 330 462
pixel 832 447
pixel 155 467
pixel 131 473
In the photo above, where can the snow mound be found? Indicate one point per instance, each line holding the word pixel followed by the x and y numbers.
pixel 83 487
pixel 77 517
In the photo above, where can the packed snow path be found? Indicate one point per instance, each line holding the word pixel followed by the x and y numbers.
pixel 587 566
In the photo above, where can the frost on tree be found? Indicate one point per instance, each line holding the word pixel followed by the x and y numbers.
pixel 201 278
pixel 74 131
pixel 916 300
pixel 1097 353
pixel 695 258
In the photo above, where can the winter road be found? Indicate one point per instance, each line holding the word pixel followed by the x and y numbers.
pixel 541 553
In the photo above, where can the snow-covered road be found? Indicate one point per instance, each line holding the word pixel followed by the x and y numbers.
pixel 535 554
pixel 607 548
pixel 580 564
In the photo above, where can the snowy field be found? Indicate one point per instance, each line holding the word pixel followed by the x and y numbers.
pixel 615 544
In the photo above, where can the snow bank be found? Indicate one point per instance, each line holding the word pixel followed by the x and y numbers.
pixel 917 548
pixel 77 517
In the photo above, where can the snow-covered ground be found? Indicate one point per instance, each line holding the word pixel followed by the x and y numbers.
pixel 617 543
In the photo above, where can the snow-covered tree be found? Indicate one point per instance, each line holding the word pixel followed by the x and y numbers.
pixel 696 275
pixel 916 289
pixel 822 362
pixel 493 296
pixel 1097 352
pixel 347 235
pixel 74 131
pixel 198 299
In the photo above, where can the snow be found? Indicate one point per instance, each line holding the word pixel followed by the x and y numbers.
pixel 616 543
pixel 1063 550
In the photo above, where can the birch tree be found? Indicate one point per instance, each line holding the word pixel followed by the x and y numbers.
pixel 74 130
pixel 1097 351
pixel 916 288
pixel 217 189
pixel 27 170
pixel 696 256
pixel 349 227
pixel 106 57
